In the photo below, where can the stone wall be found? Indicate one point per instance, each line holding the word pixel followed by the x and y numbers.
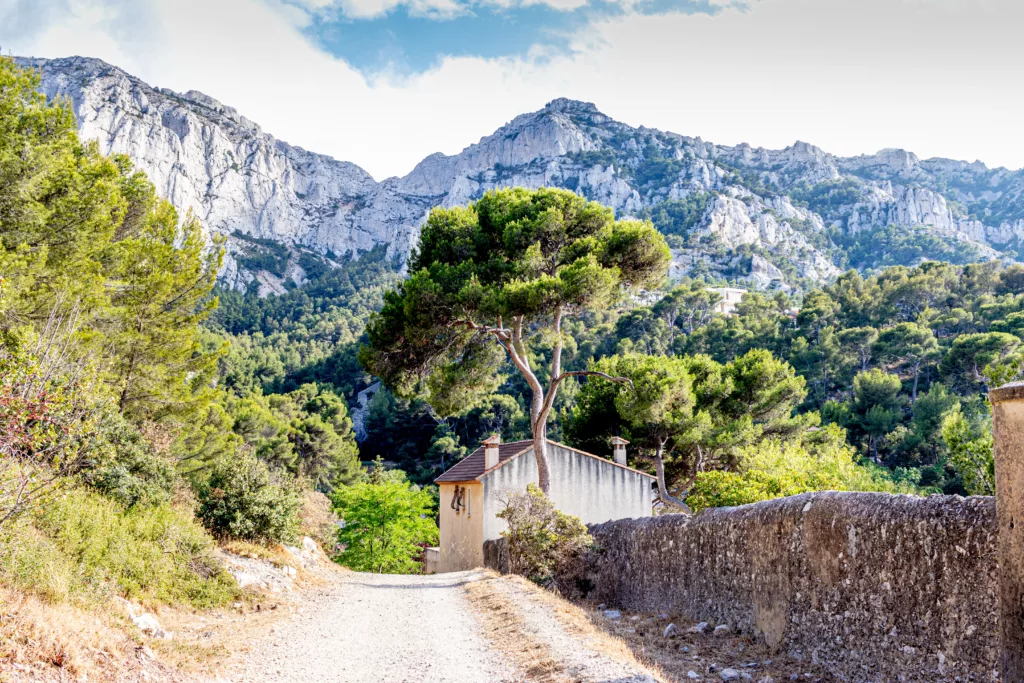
pixel 872 586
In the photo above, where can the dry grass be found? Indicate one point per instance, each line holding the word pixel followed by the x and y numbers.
pixel 317 519
pixel 205 641
pixel 578 622
pixel 502 615
pixel 274 554
pixel 40 641
pixel 48 640
pixel 507 630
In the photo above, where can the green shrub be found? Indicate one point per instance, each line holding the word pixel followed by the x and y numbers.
pixel 544 544
pixel 31 561
pixel 47 431
pixel 774 470
pixel 726 489
pixel 130 472
pixel 243 499
pixel 971 452
pixel 83 546
pixel 387 520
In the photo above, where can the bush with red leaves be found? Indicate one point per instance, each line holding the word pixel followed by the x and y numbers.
pixel 47 430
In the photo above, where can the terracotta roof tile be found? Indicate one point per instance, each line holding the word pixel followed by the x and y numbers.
pixel 472 466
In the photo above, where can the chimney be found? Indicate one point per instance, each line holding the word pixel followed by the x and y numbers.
pixel 619 450
pixel 491 445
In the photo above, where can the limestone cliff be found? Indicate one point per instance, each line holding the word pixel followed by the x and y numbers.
pixel 775 218
pixel 240 181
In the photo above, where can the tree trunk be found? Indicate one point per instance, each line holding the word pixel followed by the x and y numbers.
pixel 129 376
pixel 666 497
pixel 540 450
pixel 543 402
pixel 913 393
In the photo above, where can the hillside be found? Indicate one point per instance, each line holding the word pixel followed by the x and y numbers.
pixel 791 218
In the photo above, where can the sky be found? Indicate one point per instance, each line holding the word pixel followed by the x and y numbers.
pixel 384 83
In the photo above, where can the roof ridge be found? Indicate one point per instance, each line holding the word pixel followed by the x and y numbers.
pixel 471 468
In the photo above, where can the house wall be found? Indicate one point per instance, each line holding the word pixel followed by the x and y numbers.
pixel 461 534
pixel 593 489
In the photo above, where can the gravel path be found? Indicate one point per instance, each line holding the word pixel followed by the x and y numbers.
pixel 582 654
pixel 386 628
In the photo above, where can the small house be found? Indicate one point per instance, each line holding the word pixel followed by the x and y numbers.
pixel 473 492
pixel 731 296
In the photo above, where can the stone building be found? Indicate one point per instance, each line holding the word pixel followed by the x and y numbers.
pixel 473 492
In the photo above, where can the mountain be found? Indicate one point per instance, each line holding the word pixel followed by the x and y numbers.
pixel 775 218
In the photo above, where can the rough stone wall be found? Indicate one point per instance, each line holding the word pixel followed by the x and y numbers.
pixel 874 587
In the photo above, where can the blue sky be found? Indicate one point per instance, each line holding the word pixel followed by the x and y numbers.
pixel 384 83
pixel 408 39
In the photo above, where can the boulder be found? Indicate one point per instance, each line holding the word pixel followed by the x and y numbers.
pixel 148 624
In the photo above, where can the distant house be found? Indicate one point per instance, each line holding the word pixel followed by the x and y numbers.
pixel 473 491
pixel 730 297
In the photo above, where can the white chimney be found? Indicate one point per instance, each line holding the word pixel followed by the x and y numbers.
pixel 619 450
pixel 491 445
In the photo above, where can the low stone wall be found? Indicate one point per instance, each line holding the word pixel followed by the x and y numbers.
pixel 874 587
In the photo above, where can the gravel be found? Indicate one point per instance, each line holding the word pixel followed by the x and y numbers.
pixel 580 653
pixel 374 627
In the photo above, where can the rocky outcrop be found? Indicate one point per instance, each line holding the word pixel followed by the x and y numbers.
pixel 778 210
pixel 362 410
pixel 769 224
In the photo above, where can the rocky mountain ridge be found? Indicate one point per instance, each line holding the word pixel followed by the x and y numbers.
pixel 773 218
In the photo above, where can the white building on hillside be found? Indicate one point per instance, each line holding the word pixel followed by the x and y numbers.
pixel 730 297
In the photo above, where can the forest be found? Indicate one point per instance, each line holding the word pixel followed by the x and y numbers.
pixel 899 360
pixel 149 414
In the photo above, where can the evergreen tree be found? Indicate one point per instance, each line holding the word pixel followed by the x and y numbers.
pixel 908 345
pixel 877 405
pixel 514 263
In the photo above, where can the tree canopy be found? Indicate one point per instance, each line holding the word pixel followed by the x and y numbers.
pixel 688 414
pixel 385 523
pixel 489 279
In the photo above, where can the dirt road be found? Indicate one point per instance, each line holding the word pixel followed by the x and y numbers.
pixel 397 629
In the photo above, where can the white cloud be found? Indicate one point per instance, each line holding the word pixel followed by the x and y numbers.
pixel 369 9
pixel 561 5
pixel 315 4
pixel 938 77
